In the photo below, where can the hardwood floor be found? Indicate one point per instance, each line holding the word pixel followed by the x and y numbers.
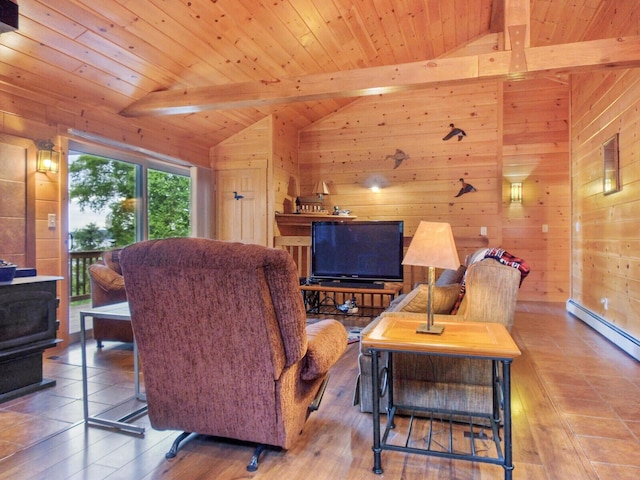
pixel 576 415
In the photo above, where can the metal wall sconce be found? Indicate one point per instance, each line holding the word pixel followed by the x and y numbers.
pixel 48 160
pixel 516 192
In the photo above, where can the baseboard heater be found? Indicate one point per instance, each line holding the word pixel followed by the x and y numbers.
pixel 620 338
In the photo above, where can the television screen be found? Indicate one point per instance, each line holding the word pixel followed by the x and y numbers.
pixel 366 251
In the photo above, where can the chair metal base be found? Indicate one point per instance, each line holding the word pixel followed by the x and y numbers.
pixel 176 445
pixel 315 403
pixel 253 464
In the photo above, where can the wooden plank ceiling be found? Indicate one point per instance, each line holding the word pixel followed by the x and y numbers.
pixel 107 55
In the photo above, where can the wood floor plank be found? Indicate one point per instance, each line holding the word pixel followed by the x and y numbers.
pixel 570 419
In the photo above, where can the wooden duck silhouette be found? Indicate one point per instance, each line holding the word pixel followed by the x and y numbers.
pixel 466 188
pixel 455 132
pixel 399 156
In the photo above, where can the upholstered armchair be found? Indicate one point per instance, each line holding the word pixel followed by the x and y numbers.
pixel 223 340
pixel 107 287
pixel 445 382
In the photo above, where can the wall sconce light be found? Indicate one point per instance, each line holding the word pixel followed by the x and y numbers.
pixel 375 183
pixel 320 189
pixel 48 160
pixel 516 192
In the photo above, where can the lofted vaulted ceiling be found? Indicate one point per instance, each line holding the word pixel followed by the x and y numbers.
pixel 109 56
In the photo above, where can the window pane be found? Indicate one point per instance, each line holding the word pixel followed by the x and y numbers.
pixel 169 200
pixel 102 208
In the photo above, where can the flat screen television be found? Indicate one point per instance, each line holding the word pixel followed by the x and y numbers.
pixel 366 251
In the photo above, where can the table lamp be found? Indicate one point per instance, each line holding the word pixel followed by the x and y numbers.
pixel 432 246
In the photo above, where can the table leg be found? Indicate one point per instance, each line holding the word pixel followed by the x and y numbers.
pixel 311 301
pixel 497 391
pixel 83 351
pixel 136 372
pixel 508 460
pixel 94 420
pixel 389 372
pixel 375 399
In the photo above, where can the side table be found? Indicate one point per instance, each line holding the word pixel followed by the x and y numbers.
pixel 475 340
pixel 117 311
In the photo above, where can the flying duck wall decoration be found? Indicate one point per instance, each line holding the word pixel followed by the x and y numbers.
pixel 399 156
pixel 466 188
pixel 455 132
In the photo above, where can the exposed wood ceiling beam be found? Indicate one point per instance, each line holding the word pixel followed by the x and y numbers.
pixel 497 17
pixel 517 13
pixel 564 59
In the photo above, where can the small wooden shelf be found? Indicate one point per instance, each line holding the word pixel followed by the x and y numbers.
pixel 305 219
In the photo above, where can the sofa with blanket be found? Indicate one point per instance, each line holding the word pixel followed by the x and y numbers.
pixel 484 291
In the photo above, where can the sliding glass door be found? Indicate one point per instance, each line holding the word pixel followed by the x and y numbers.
pixel 168 204
pixel 114 202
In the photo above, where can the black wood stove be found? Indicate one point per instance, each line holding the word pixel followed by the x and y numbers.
pixel 28 326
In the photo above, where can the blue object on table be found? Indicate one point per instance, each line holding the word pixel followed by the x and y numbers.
pixel 26 272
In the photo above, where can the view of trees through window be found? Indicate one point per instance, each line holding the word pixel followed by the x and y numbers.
pixel 107 210
pixel 103 191
pixel 169 205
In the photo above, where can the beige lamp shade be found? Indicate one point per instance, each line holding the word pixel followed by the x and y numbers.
pixel 433 245
pixel 320 188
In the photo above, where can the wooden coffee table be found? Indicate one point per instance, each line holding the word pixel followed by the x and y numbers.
pixel 475 340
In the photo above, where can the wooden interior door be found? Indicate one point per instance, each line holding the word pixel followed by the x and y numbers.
pixel 241 205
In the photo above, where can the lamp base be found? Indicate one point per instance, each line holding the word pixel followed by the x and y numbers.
pixel 433 329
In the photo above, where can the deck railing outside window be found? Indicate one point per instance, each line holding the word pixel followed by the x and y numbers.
pixel 79 273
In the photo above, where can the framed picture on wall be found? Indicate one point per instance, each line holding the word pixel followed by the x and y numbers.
pixel 611 162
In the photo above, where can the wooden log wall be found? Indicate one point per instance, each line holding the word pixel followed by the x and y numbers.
pixel 351 150
pixel 606 238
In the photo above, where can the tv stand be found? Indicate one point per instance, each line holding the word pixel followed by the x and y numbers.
pixel 352 284
pixel 326 297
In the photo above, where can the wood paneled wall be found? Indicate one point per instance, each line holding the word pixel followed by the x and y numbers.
pixel 606 237
pixel 250 149
pixel 271 143
pixel 349 150
pixel 16 204
pixel 286 180
pixel 536 152
pixel 33 243
pixel 29 118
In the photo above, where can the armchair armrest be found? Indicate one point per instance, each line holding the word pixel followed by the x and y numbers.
pixel 105 278
pixel 327 341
